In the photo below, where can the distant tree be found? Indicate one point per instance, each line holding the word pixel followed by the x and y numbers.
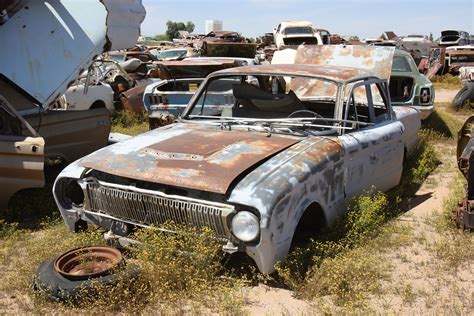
pixel 160 37
pixel 190 26
pixel 173 28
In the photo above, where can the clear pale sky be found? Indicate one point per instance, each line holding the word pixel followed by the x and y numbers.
pixel 357 17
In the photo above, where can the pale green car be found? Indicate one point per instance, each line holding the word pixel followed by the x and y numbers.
pixel 408 87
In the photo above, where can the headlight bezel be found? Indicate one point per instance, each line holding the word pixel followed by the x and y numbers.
pixel 251 216
pixel 68 188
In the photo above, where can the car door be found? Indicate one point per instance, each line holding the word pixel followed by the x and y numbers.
pixel 68 133
pixel 373 145
pixel 21 155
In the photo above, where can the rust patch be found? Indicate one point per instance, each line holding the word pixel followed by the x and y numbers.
pixel 207 160
pixel 132 100
pixel 377 60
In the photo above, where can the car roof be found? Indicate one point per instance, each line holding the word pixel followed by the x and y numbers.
pixel 128 53
pixel 296 23
pixel 175 49
pixel 399 52
pixel 332 73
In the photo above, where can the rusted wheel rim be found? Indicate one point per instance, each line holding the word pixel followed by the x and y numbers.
pixel 88 262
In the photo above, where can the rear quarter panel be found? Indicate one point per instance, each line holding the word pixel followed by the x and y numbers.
pixel 410 119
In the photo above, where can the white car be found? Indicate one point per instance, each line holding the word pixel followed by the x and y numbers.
pixel 175 54
pixel 94 97
pixel 295 33
pixel 99 89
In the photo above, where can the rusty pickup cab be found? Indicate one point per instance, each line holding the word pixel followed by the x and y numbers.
pixel 277 156
pixel 51 43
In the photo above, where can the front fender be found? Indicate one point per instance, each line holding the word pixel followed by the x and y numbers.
pixel 69 215
pixel 281 189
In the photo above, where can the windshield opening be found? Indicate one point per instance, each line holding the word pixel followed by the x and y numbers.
pixel 269 98
pixel 400 64
pixel 298 30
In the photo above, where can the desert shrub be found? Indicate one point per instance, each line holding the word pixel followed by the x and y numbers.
pixel 178 272
pixel 446 81
pixel 129 123
pixel 340 263
pixel 349 277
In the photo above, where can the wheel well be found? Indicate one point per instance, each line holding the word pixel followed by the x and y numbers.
pixel 310 224
pixel 98 104
pixel 405 157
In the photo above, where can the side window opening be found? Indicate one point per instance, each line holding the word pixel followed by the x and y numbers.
pixel 366 105
pixel 380 103
pixel 9 124
pixel 357 108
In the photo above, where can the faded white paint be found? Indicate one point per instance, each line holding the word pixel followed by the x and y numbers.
pixel 47 45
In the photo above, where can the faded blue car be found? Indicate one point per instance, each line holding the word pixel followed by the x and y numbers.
pixel 264 163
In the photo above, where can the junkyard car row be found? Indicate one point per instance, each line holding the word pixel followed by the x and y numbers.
pixel 259 151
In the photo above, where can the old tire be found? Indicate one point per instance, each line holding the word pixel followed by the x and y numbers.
pixel 465 95
pixel 51 283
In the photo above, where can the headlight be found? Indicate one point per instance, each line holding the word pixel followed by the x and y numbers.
pixel 73 194
pixel 245 226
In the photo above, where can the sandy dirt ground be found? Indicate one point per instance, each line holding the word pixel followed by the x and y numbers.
pixel 444 95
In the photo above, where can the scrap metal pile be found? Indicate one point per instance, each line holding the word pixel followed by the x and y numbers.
pixel 464 214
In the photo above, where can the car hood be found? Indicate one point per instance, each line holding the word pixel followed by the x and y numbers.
pixel 189 156
pixel 377 60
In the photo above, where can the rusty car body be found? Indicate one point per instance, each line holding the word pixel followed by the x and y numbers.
pixel 121 56
pixel 407 86
pixel 99 87
pixel 458 57
pixel 464 214
pixel 21 154
pixel 59 41
pixel 278 155
pixel 166 99
pixel 133 99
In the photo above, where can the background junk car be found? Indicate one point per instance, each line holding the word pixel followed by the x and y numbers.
pixel 44 57
pixel 408 87
pixel 276 156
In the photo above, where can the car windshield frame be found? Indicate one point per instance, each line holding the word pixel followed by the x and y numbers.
pixel 297 30
pixel 333 125
pixel 336 125
pixel 173 54
pixel 406 63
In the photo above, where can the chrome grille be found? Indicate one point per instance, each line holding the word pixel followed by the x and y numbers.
pixel 150 209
